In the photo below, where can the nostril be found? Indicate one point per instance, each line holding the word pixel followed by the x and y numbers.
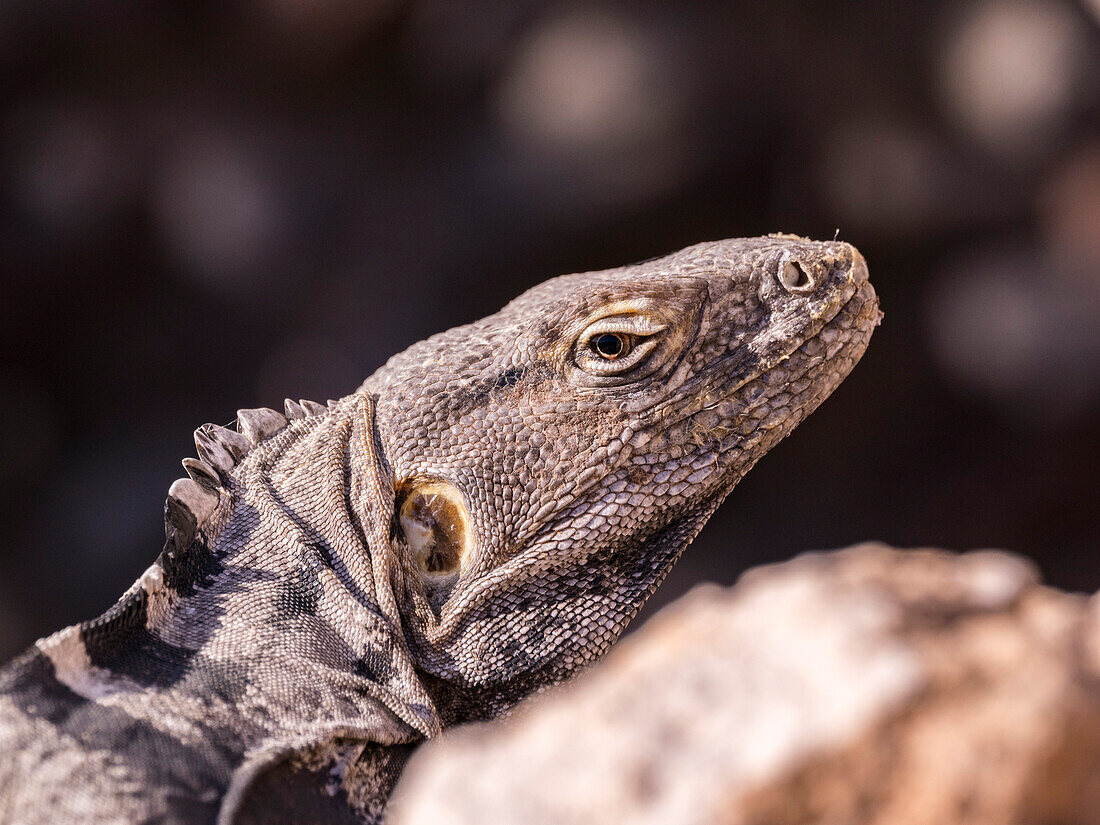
pixel 794 278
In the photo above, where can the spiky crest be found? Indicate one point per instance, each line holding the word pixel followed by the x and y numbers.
pixel 192 500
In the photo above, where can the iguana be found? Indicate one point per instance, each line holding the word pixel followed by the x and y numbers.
pixel 481 518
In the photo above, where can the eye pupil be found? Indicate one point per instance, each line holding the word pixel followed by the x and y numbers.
pixel 609 345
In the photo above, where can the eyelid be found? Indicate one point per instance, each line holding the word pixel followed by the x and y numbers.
pixel 642 325
pixel 642 329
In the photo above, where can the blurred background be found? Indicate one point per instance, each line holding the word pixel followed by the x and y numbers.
pixel 213 205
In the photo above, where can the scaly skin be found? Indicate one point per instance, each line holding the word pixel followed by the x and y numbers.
pixel 480 519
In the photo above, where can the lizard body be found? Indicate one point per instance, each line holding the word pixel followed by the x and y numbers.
pixel 481 518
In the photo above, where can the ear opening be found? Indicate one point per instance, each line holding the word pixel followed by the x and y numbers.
pixel 436 526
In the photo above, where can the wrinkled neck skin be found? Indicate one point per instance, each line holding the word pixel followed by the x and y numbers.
pixel 274 632
pixel 312 513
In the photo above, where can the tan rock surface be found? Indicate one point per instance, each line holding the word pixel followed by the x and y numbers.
pixel 868 685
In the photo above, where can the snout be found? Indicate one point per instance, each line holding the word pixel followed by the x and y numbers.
pixel 820 276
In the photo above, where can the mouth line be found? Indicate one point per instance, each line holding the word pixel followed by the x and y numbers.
pixel 862 292
pixel 858 293
pixel 865 295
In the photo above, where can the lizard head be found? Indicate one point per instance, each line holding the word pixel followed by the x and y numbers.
pixel 551 461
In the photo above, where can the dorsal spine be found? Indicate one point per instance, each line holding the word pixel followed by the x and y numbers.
pixel 192 500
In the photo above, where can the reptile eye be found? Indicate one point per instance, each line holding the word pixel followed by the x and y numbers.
pixel 611 345
pixel 618 344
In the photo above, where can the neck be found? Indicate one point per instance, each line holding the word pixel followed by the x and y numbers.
pixel 274 629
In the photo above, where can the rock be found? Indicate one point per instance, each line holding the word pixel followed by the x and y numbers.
pixel 868 685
